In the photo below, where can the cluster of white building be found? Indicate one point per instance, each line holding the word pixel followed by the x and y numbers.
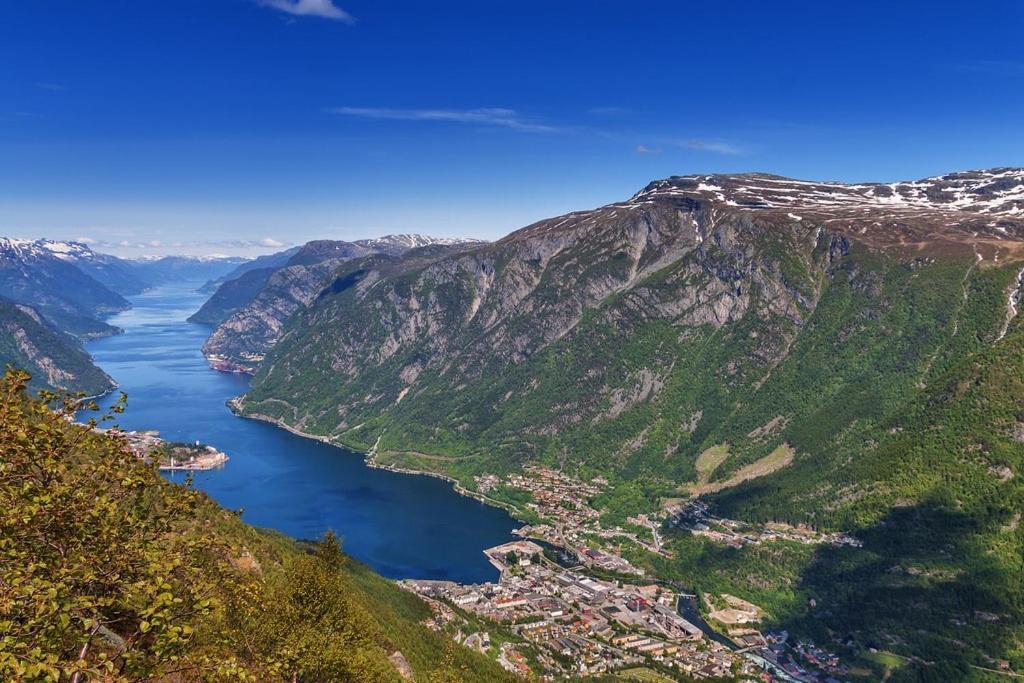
pixel 581 625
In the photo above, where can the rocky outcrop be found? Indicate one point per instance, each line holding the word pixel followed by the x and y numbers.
pixel 240 342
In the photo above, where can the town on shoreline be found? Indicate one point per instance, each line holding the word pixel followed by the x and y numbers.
pixel 568 603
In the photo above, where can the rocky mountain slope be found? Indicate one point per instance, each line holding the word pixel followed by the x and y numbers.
pixel 53 359
pixel 267 261
pixel 240 342
pixel 231 295
pixel 251 309
pixel 871 329
pixel 43 275
pixel 116 274
pixel 697 256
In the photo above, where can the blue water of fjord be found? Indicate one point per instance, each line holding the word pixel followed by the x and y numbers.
pixel 403 526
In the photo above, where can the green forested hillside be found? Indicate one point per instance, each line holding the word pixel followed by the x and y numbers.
pixel 859 364
pixel 53 359
pixel 110 573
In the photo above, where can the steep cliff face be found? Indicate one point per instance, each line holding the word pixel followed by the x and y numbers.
pixel 250 310
pixel 240 342
pixel 630 337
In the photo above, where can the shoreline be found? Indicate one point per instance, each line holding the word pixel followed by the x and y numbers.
pixel 96 397
pixel 684 595
pixel 368 460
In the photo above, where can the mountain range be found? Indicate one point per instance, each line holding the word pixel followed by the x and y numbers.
pixel 54 295
pixel 57 294
pixel 850 354
pixel 844 357
pixel 250 308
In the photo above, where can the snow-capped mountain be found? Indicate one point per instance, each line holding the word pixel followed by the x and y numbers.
pixel 164 269
pixel 71 251
pixel 396 244
pixel 14 248
pixel 984 197
pixel 71 286
pixel 114 273
pixel 986 206
pixel 996 193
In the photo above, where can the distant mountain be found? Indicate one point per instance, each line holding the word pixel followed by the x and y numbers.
pixel 231 295
pixel 170 269
pixel 235 293
pixel 395 245
pixel 44 275
pixel 275 260
pixel 319 251
pixel 54 359
pixel 117 274
pixel 846 356
pixel 259 325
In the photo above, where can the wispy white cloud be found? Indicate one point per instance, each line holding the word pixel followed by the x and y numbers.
pixel 512 119
pixel 713 147
pixel 505 118
pixel 52 87
pixel 187 246
pixel 325 9
pixel 669 145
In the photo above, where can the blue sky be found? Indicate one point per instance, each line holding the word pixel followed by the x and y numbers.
pixel 237 125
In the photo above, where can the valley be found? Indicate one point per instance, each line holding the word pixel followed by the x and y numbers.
pixel 802 329
pixel 347 341
pixel 747 387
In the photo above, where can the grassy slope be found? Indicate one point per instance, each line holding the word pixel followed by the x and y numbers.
pixel 91 536
pixel 908 455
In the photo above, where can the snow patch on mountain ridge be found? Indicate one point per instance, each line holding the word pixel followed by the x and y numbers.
pixel 996 192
